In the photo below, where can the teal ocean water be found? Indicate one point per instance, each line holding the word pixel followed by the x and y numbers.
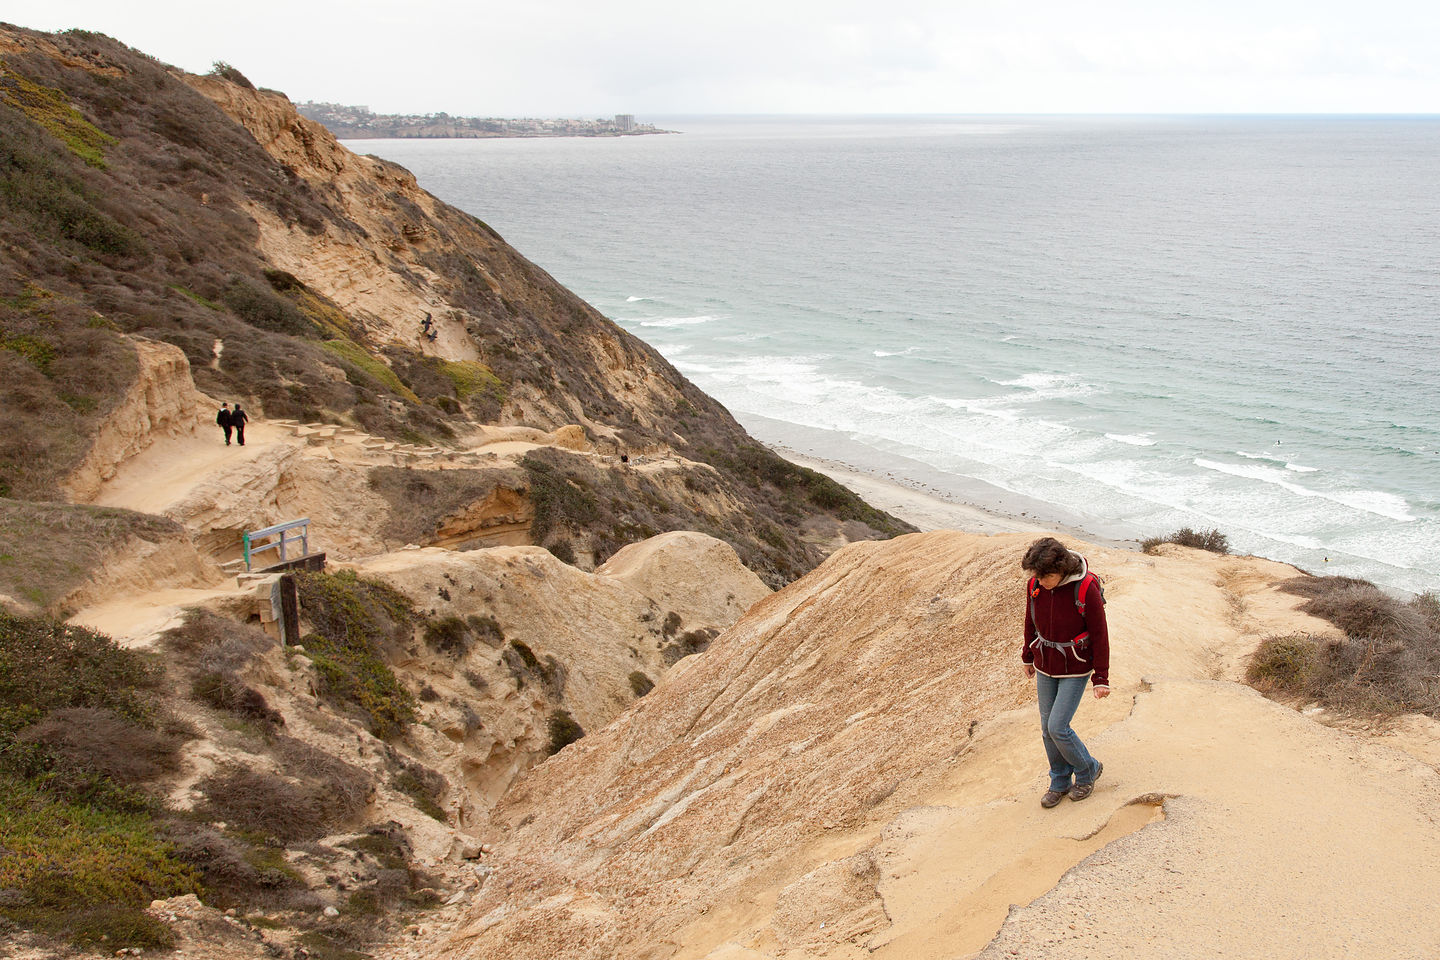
pixel 1126 325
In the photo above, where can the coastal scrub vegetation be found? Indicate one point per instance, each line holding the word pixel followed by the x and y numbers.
pixel 594 512
pixel 355 622
pixel 420 500
pixel 1211 540
pixel 82 850
pixel 125 211
pixel 1386 663
pixel 90 740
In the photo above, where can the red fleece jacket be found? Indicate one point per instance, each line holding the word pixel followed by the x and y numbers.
pixel 1057 618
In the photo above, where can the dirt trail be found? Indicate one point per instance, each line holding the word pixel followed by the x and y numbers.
pixel 173 467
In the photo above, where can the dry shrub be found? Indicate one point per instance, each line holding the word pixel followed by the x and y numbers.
pixel 640 684
pixel 1387 663
pixel 421 784
pixel 420 500
pixel 564 730
pixel 226 691
pixel 273 806
pixel 1364 610
pixel 236 873
pixel 214 642
pixel 103 742
pixel 1211 540
pixel 351 787
pixel 688 644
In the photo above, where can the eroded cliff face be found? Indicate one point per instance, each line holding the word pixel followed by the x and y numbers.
pixel 162 402
pixel 559 639
pixel 852 770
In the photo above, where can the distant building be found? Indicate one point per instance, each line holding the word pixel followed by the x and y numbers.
pixel 625 122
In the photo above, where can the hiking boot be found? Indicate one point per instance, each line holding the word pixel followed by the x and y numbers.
pixel 1052 797
pixel 1082 790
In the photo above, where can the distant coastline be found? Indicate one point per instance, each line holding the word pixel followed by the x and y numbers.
pixel 360 123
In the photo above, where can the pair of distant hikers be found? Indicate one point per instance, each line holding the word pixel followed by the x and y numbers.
pixel 1066 644
pixel 232 420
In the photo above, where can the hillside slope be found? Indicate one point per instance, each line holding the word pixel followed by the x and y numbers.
pixel 137 201
pixel 853 770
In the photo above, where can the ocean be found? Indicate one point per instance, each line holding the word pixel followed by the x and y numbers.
pixel 1124 325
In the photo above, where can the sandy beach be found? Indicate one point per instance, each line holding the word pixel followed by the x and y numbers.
pixel 930 507
pixel 928 511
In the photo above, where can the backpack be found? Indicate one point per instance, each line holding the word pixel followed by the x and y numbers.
pixel 1069 647
pixel 1080 587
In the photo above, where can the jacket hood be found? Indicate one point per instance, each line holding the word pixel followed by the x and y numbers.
pixel 1084 569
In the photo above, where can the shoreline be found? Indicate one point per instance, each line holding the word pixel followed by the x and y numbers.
pixel 927 498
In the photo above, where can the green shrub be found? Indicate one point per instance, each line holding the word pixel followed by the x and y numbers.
pixel 51 109
pixel 224 71
pixel 355 620
pixel 46 665
pixel 563 730
pixel 470 378
pixel 640 684
pixel 195 297
pixel 372 366
pixel 40 352
pixel 83 872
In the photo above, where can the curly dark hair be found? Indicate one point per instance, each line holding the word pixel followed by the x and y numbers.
pixel 1048 555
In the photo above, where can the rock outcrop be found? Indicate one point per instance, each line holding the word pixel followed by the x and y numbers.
pixel 162 402
pixel 556 639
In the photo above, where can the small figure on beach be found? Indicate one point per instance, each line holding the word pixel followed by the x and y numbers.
pixel 1066 643
pixel 238 419
pixel 223 418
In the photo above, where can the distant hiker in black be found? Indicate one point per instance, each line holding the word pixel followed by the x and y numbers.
pixel 226 419
pixel 238 419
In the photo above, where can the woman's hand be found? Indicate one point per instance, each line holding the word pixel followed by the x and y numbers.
pixel 1030 670
pixel 1101 693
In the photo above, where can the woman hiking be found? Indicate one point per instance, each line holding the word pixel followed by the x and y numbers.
pixel 1066 644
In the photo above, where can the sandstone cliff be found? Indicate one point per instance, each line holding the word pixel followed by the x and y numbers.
pixel 853 770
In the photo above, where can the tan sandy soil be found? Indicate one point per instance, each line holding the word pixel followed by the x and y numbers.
pixel 854 770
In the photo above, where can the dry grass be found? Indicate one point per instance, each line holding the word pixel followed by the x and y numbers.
pixel 100 742
pixel 1388 662
pixel 48 550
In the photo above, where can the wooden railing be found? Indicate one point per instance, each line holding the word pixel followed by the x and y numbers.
pixel 281 531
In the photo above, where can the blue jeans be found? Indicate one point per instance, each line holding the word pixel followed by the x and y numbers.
pixel 1059 699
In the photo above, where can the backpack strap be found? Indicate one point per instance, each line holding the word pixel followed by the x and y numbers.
pixel 1081 586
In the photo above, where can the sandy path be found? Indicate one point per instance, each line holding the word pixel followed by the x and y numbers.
pixel 169 469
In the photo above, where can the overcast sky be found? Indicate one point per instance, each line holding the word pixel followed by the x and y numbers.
pixel 651 57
